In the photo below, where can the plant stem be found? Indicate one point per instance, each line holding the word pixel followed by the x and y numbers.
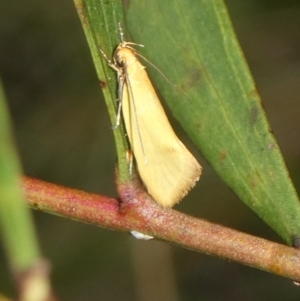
pixel 139 212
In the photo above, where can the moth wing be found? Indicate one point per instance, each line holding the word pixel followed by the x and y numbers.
pixel 165 165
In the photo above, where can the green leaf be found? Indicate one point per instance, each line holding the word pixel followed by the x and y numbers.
pixel 16 224
pixel 194 44
pixel 99 19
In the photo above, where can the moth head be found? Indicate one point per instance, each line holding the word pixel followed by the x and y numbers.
pixel 125 56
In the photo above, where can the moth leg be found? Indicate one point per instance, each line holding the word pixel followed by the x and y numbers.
pixel 120 100
pixel 113 65
pixel 129 158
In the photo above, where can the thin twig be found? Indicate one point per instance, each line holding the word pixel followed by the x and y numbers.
pixel 139 212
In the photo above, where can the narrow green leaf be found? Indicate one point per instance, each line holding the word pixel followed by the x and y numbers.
pixel 193 43
pixel 99 19
pixel 16 224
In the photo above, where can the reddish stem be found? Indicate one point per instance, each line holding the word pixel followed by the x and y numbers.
pixel 139 212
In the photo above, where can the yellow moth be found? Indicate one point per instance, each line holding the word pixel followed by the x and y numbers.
pixel 166 167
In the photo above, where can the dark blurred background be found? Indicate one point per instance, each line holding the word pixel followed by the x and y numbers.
pixel 64 136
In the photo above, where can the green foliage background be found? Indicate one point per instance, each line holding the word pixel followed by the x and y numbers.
pixel 64 136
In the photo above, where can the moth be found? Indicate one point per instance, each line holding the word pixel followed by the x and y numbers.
pixel 166 167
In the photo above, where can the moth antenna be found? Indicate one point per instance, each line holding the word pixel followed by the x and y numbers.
pixel 158 70
pixel 121 32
